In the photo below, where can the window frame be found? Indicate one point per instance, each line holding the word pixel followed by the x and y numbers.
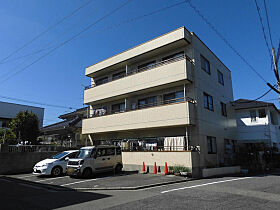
pixel 173 56
pixel 146 66
pixel 253 117
pixel 147 104
pixel 119 108
pixel 202 58
pixel 101 81
pixel 264 113
pixel 221 76
pixel 119 75
pixel 207 97
pixel 212 142
pixel 223 109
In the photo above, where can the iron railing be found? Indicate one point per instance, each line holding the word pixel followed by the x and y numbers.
pixel 98 112
pixel 139 70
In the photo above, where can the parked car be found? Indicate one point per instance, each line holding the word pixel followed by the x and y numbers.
pixel 55 165
pixel 95 159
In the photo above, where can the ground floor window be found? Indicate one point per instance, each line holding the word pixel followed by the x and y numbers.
pixel 212 145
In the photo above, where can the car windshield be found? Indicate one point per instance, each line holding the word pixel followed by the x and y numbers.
pixel 60 155
pixel 84 153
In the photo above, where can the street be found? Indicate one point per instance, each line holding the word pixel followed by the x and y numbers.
pixel 255 192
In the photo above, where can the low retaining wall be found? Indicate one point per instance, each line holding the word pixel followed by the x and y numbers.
pixel 208 172
pixel 134 160
pixel 21 162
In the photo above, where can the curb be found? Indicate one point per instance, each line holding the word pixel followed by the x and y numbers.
pixel 132 188
pixel 60 188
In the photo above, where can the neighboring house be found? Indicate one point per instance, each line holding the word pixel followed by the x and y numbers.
pixel 68 132
pixel 257 122
pixel 171 93
pixel 9 111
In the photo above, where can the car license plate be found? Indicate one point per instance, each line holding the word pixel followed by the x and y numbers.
pixel 70 170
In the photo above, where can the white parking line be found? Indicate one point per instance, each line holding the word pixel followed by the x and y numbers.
pixel 201 185
pixel 24 176
pixel 78 182
pixel 52 179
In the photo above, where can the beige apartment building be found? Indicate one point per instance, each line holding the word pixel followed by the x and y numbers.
pixel 166 100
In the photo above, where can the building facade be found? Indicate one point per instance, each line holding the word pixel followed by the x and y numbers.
pixel 168 94
pixel 258 122
pixel 68 132
pixel 9 111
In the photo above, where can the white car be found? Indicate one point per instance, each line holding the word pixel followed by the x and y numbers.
pixel 55 165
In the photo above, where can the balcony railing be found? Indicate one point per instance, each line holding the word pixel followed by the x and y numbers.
pixel 160 148
pixel 103 112
pixel 139 70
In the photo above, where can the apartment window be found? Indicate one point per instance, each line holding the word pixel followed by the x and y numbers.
pixel 173 97
pixel 262 113
pixel 101 81
pixel 205 65
pixel 118 108
pixel 174 56
pixel 253 116
pixel 223 109
pixel 212 145
pixel 208 102
pixel 147 102
pixel 145 66
pixel 119 75
pixel 220 78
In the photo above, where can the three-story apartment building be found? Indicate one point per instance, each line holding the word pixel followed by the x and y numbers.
pixel 163 98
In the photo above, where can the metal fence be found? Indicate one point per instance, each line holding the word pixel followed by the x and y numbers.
pixel 36 148
pixel 161 149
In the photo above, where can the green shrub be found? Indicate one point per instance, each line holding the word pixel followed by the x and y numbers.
pixel 178 169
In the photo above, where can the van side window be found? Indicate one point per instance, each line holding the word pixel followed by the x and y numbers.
pixel 110 151
pixel 72 155
pixel 101 152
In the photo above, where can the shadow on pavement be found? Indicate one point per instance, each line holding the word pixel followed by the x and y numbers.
pixel 21 195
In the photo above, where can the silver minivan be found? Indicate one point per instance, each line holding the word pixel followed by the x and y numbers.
pixel 95 159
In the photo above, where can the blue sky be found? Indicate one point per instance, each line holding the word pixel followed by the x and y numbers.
pixel 59 77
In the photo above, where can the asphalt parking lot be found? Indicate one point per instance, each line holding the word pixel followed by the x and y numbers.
pixel 108 181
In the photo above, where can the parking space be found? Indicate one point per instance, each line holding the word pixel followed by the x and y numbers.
pixel 106 181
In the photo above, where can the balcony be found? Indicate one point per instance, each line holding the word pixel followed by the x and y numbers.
pixel 164 115
pixel 161 73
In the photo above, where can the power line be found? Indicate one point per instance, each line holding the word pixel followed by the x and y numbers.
pixel 104 29
pixel 264 35
pixel 250 101
pixel 225 40
pixel 45 31
pixel 69 40
pixel 267 20
pixel 37 103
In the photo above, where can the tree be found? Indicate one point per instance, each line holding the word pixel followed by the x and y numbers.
pixel 25 126
pixel 7 136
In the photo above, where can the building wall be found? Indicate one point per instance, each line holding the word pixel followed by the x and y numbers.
pixel 261 130
pixel 207 123
pixel 10 110
pixel 212 123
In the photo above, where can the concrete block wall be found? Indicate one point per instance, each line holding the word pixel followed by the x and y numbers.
pixel 21 162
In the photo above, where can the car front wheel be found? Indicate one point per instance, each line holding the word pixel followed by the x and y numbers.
pixel 56 171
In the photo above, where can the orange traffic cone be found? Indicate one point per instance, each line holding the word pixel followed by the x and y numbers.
pixel 155 168
pixel 144 168
pixel 165 168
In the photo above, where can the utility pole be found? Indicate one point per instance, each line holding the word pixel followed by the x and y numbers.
pixel 275 61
